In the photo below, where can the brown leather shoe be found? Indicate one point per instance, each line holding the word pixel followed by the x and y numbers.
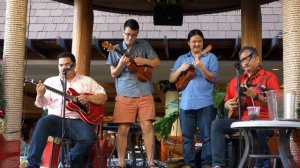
pixel 186 166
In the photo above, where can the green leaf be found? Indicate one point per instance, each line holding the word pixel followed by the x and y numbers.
pixel 163 126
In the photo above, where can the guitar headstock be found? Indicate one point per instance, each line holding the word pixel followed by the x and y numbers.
pixel 107 45
pixel 29 80
pixel 207 49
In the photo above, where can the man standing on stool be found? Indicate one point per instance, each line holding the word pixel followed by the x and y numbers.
pixel 254 81
pixel 134 100
pixel 82 133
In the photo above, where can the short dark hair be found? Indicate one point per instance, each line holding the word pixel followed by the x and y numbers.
pixel 250 49
pixel 132 24
pixel 195 32
pixel 67 55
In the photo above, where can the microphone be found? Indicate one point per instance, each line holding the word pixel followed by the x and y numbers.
pixel 243 89
pixel 68 68
pixel 237 65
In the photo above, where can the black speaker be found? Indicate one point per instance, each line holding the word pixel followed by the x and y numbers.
pixel 167 15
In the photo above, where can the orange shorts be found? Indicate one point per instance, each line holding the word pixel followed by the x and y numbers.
pixel 130 110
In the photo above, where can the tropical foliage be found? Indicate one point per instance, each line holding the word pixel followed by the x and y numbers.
pixel 163 126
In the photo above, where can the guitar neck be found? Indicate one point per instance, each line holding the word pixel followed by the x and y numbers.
pixel 119 52
pixel 58 92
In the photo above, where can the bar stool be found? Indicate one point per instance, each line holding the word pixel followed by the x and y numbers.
pixel 96 157
pixel 135 143
pixel 232 149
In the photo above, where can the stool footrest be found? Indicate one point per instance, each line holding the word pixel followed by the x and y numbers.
pixel 264 156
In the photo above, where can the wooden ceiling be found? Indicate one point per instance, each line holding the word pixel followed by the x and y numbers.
pixel 145 7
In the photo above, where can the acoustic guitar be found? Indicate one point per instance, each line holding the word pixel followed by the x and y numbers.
pixel 233 114
pixel 90 113
pixel 143 72
pixel 189 74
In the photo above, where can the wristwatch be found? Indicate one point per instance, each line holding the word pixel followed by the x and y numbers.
pixel 255 97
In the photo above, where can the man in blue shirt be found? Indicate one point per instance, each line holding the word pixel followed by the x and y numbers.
pixel 196 105
pixel 134 100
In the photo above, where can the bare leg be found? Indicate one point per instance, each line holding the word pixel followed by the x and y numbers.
pixel 148 134
pixel 122 135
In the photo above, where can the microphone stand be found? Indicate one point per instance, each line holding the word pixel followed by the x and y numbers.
pixel 63 141
pixel 238 86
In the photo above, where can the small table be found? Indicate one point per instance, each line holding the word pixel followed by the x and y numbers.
pixel 249 131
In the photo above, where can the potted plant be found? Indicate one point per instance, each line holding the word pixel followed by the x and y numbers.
pixel 162 127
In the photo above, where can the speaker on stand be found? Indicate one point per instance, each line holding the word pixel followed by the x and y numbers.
pixel 168 15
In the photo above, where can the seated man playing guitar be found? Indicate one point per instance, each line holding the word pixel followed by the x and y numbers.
pixel 82 91
pixel 254 82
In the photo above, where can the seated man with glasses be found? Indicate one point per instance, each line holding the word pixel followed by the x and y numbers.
pixel 254 81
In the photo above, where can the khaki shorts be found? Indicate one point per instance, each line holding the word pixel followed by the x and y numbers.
pixel 130 110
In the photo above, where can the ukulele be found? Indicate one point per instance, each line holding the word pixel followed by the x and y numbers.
pixel 189 74
pixel 233 114
pixel 90 113
pixel 142 72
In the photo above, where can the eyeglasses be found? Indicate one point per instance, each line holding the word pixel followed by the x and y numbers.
pixel 66 65
pixel 246 60
pixel 130 34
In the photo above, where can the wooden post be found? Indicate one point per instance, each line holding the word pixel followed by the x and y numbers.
pixel 82 35
pixel 251 25
pixel 291 60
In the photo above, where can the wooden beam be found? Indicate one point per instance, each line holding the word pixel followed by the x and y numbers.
pixel 62 43
pixel 96 45
pixel 166 44
pixel 82 35
pixel 1 47
pixel 37 50
pixel 237 46
pixel 274 44
pixel 251 21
